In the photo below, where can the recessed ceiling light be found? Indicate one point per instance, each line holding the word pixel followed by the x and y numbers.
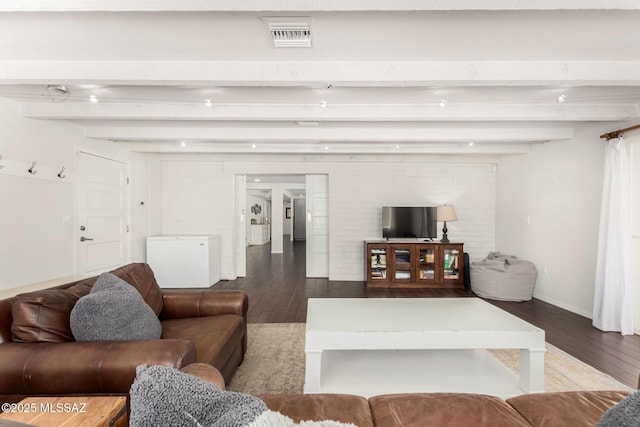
pixel 397 147
pixel 253 146
pixel 325 148
pixel 443 103
pixel 323 103
pixel 471 144
pixel 183 143
pixel 208 102
pixel 93 99
pixel 256 179
pixel 562 98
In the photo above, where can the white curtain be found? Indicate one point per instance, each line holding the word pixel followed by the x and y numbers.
pixel 613 302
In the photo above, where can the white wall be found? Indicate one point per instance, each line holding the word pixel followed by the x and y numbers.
pixel 286 222
pixel 548 210
pixel 358 192
pixel 198 190
pixel 140 205
pixel 36 244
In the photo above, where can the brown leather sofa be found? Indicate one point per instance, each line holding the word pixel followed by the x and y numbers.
pixel 38 355
pixel 561 409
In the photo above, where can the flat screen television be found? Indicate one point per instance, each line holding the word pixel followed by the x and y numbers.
pixel 409 222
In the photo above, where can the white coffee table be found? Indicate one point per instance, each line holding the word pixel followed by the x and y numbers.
pixel 371 346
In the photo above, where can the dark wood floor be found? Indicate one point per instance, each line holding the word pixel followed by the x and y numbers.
pixel 278 293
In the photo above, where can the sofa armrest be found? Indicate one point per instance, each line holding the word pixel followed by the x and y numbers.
pixel 205 372
pixel 183 304
pixel 85 367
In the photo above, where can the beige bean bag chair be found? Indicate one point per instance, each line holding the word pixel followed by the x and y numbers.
pixel 503 277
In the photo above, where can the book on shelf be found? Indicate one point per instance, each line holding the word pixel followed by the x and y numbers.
pixel 427 274
pixel 451 276
pixel 451 260
pixel 403 275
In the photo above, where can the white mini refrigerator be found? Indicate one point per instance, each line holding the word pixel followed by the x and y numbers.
pixel 184 261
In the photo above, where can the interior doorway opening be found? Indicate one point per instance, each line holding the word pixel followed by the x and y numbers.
pixel 269 214
pixel 284 189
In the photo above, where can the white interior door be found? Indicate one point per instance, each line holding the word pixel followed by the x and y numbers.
pixel 241 226
pixel 102 211
pixel 317 227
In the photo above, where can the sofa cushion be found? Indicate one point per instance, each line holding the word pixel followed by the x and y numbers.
pixel 215 338
pixel 113 311
pixel 570 408
pixel 443 409
pixel 42 316
pixel 141 277
pixel 317 407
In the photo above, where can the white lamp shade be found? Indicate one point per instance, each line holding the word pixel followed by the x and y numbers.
pixel 446 213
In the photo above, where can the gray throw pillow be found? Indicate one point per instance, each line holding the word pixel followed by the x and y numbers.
pixel 113 311
pixel 625 413
pixel 163 396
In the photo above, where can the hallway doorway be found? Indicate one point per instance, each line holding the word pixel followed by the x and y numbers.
pixel 269 211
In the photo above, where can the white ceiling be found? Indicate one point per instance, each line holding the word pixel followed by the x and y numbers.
pixel 382 67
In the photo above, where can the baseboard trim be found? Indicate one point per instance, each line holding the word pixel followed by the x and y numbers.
pixel 568 307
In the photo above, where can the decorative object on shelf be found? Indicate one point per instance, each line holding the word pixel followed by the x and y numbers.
pixel 256 209
pixel 61 173
pixel 446 213
pixel 32 170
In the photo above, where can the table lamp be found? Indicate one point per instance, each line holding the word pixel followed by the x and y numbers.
pixel 445 213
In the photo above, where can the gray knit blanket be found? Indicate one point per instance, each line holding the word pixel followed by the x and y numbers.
pixel 163 396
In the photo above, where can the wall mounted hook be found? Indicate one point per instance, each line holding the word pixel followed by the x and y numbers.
pixel 32 169
pixel 60 175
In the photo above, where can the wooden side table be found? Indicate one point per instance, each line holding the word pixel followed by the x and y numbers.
pixel 76 411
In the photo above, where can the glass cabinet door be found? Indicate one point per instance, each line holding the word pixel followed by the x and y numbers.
pixel 427 263
pixel 451 263
pixel 402 261
pixel 378 264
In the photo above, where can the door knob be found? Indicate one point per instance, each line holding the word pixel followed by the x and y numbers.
pixel 82 238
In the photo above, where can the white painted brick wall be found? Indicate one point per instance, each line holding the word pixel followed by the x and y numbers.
pixel 358 192
pixel 198 198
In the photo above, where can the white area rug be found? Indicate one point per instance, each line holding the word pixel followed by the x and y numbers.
pixel 275 360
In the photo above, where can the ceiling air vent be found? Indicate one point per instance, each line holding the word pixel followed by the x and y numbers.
pixel 290 32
